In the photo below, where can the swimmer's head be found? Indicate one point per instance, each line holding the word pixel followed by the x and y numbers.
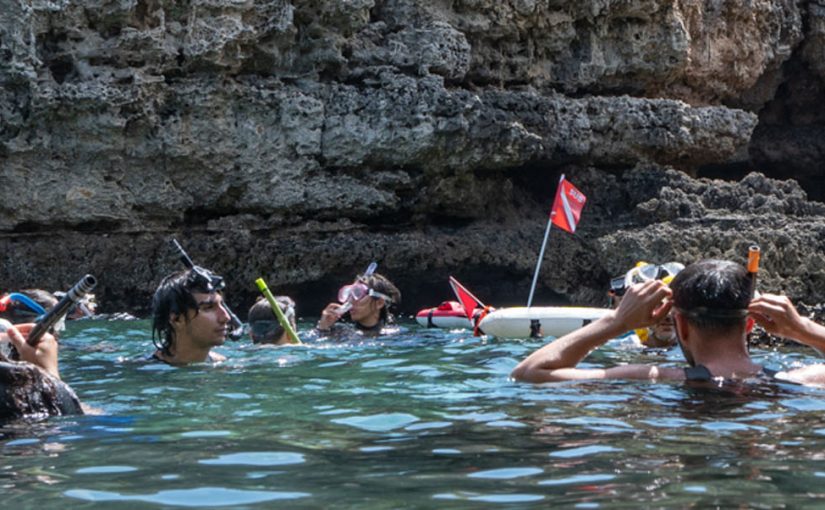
pixel 382 285
pixel 28 305
pixel 173 297
pixel 713 294
pixel 264 327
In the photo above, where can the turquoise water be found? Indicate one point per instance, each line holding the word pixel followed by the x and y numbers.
pixel 426 418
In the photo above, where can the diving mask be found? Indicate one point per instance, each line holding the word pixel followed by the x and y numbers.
pixel 644 272
pixel 264 330
pixel 204 280
pixel 617 286
pixel 358 291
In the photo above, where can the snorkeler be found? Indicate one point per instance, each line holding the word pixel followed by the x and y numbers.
pixel 26 305
pixel 367 301
pixel 661 334
pixel 188 317
pixel 264 327
pixel 32 386
pixel 85 308
pixel 712 310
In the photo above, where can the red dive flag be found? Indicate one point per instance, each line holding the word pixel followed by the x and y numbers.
pixel 567 206
pixel 468 301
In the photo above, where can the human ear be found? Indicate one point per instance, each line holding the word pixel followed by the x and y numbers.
pixel 681 325
pixel 175 319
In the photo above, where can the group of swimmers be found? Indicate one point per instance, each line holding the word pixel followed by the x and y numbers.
pixel 189 316
pixel 708 306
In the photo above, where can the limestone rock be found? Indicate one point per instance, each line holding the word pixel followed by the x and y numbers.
pixel 305 139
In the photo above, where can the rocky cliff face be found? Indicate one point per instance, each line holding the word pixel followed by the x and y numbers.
pixel 299 140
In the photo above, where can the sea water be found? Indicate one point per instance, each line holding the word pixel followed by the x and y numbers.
pixel 422 419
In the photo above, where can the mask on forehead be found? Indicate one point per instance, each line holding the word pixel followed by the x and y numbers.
pixel 203 280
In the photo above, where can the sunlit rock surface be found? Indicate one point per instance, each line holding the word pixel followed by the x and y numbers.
pixel 300 140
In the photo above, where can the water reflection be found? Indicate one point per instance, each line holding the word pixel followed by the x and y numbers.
pixel 424 421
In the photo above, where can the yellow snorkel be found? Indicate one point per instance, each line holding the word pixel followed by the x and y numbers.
pixel 290 333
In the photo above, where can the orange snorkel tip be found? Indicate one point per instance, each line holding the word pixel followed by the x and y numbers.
pixel 753 266
pixel 753 259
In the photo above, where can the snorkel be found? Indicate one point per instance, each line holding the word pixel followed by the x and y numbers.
pixel 72 297
pixel 279 314
pixel 211 283
pixel 753 266
pixel 346 299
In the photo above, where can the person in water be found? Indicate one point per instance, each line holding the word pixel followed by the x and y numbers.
pixel 26 305
pixel 264 327
pixel 659 335
pixel 616 291
pixel 84 309
pixel 367 300
pixel 188 317
pixel 32 386
pixel 712 310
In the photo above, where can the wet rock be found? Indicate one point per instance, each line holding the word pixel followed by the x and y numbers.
pixel 300 140
pixel 26 391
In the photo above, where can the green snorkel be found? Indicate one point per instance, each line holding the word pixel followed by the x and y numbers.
pixel 290 333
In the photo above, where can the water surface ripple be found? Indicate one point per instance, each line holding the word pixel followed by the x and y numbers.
pixel 424 419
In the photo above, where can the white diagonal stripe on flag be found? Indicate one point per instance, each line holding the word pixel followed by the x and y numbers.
pixel 568 213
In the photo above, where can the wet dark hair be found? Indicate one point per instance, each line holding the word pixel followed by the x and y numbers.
pixel 713 294
pixel 174 297
pixel 264 327
pixel 380 283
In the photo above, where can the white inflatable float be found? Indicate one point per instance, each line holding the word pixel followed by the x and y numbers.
pixel 554 320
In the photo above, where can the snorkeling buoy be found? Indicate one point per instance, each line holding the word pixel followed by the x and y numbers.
pixel 449 314
pixel 555 320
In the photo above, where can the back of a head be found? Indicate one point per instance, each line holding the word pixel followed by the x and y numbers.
pixel 264 327
pixel 713 294
pixel 19 312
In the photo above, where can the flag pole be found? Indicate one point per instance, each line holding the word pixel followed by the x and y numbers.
pixel 538 263
pixel 541 254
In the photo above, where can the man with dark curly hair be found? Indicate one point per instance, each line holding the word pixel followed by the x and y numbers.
pixel 189 317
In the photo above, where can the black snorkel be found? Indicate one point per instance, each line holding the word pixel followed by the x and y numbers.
pixel 753 266
pixel 75 294
pixel 210 282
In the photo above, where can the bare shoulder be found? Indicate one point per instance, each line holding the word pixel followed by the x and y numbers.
pixel 812 375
